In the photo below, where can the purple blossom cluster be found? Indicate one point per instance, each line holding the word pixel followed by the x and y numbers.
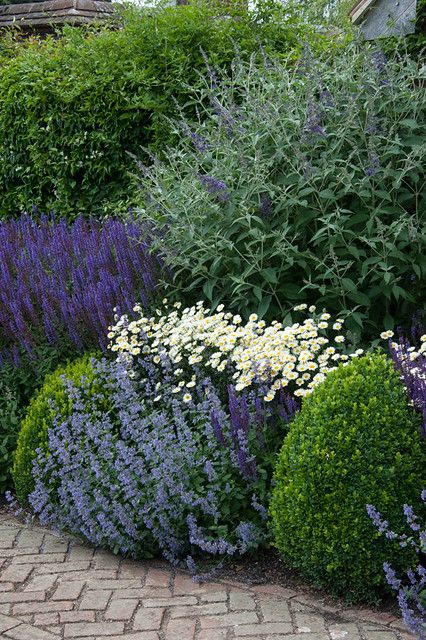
pixel 215 187
pixel 60 283
pixel 413 373
pixel 380 65
pixel 225 118
pixel 314 117
pixel 140 476
pixel 412 594
pixel 373 163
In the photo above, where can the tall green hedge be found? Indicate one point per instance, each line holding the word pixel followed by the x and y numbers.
pixel 71 108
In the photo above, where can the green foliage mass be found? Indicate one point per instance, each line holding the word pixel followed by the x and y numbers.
pixel 71 108
pixel 354 442
pixel 51 402
pixel 303 184
pixel 10 413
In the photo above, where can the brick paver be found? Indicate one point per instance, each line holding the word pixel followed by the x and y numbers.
pixel 53 588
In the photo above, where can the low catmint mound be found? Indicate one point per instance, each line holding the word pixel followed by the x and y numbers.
pixel 139 476
pixel 411 589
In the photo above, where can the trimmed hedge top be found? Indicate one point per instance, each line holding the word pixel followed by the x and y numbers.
pixel 72 108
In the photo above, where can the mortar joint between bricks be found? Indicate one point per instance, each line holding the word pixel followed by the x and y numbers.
pixel 326 624
pixel 100 615
pixel 78 600
pixel 7 563
pixel 120 568
pixel 311 608
pixel 292 615
pixel 92 560
pixel 164 623
pixel 128 626
pixel 197 629
pixel 42 544
pixel 173 575
pixel 49 592
pixel 258 608
pixel 22 585
pixel 68 551
pixel 16 538
pixel 59 634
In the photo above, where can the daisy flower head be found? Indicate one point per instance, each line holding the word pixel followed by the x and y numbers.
pixel 220 343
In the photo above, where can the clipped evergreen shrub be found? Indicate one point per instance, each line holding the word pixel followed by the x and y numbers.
pixel 49 404
pixel 354 442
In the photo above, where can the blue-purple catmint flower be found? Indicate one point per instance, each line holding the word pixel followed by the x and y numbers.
pixel 265 207
pixel 413 373
pixel 313 123
pixel 412 594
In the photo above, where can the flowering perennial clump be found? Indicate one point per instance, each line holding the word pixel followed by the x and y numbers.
pixel 412 595
pixel 59 282
pixel 295 358
pixel 259 208
pixel 140 477
pixel 410 361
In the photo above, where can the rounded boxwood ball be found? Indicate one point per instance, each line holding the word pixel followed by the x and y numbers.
pixel 50 402
pixel 355 441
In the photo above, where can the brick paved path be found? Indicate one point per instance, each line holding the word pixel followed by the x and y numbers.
pixel 51 587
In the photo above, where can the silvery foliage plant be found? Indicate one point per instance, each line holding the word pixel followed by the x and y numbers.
pixel 301 182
